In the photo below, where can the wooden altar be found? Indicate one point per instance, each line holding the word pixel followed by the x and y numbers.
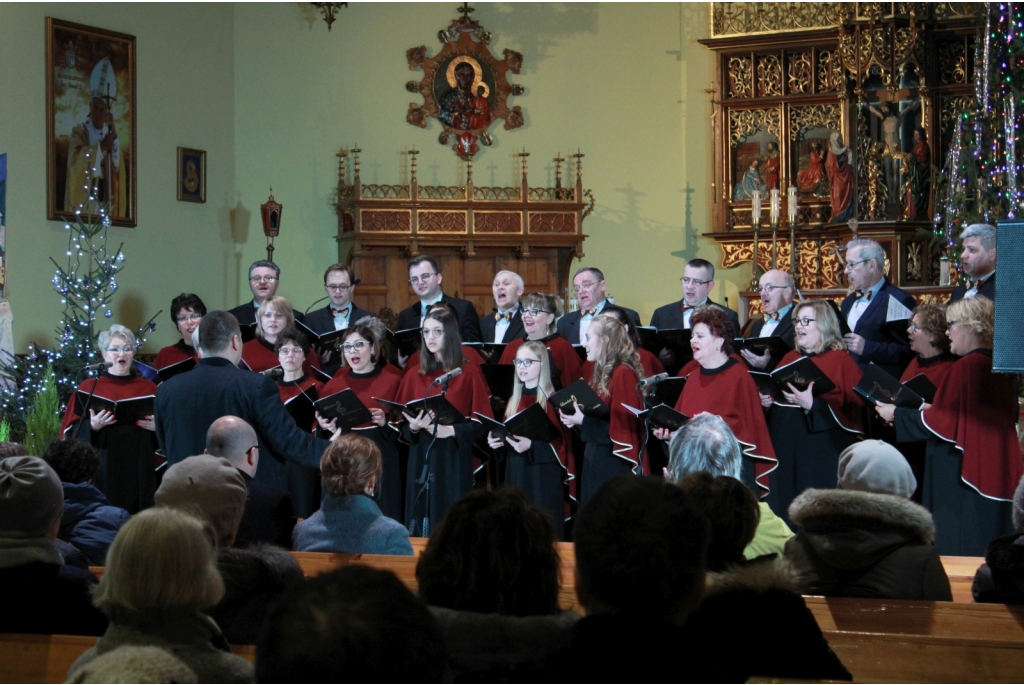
pixel 472 231
pixel 881 83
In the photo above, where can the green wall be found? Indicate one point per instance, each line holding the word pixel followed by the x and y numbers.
pixel 272 95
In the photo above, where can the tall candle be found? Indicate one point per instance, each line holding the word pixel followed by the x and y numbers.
pixel 791 204
pixel 776 205
pixel 755 213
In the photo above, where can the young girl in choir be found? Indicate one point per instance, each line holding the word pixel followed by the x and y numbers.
pixel 368 379
pixel 809 432
pixel 445 451
pixel 541 470
pixel 612 444
pixel 273 316
pixel 293 349
pixel 540 311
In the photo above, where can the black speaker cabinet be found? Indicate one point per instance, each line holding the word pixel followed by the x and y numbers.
pixel 1008 355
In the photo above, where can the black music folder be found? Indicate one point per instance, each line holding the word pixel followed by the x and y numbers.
pixel 661 416
pixel 876 386
pixel 446 413
pixel 589 402
pixel 800 373
pixel 126 411
pixel 532 422
pixel 345 407
pixel 774 345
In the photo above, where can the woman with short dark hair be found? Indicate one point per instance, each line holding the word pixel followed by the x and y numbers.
pixel 187 312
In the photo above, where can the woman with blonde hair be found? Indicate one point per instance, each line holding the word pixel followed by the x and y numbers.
pixel 972 463
pixel 161 575
pixel 540 312
pixel 540 470
pixel 808 432
pixel 273 316
pixel 127 475
pixel 612 444
pixel 349 521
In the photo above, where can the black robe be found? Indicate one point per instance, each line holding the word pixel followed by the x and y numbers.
pixel 303 481
pixel 612 446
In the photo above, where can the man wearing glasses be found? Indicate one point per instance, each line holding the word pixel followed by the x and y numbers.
pixel 697 282
pixel 264 280
pixel 866 310
pixel 339 283
pixel 425 279
pixel 777 291
pixel 589 286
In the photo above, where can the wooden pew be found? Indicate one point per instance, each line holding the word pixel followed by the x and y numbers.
pixel 28 658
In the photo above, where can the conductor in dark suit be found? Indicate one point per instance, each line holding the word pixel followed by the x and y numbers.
pixel 340 284
pixel 777 291
pixel 865 310
pixel 697 281
pixel 589 285
pixel 269 513
pixel 425 279
pixel 506 324
pixel 188 404
pixel 264 280
pixel 979 263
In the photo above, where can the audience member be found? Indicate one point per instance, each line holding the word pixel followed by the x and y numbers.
pixel 269 515
pixel 130 664
pixel 491 575
pixel 161 575
pixel 56 596
pixel 1001 578
pixel 89 521
pixel 13 449
pixel 705 443
pixel 728 629
pixel 213 490
pixel 349 521
pixel 356 624
pixel 867 539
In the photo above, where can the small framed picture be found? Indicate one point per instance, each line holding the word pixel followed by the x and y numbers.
pixel 191 175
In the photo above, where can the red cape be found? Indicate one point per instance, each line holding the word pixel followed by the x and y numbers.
pixel 649 362
pixel 624 429
pixel 977 410
pixel 383 384
pixel 112 388
pixel 934 369
pixel 732 395
pixel 173 354
pixel 846 405
pixel 260 356
pixel 562 353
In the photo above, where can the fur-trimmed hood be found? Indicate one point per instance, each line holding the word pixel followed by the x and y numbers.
pixel 759 576
pixel 851 529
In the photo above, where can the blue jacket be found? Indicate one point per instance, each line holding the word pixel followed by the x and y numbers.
pixel 351 524
pixel 90 522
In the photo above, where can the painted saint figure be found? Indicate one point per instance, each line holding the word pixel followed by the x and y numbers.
pixel 810 178
pixel 771 166
pixel 751 181
pixel 457 103
pixel 919 177
pixel 841 178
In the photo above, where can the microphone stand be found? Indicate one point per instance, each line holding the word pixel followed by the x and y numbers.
pixel 85 411
pixel 425 475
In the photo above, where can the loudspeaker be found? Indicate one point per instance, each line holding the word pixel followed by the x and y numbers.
pixel 1008 355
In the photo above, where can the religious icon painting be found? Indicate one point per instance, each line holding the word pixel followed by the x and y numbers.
pixel 191 175
pixel 464 86
pixel 809 151
pixel 755 157
pixel 90 122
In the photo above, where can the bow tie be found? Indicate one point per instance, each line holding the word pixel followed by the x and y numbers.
pixel 771 317
pixel 588 312
pixel 686 307
pixel 866 294
pixel 340 312
pixel 498 316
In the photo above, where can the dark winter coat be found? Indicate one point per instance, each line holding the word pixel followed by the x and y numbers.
pixel 1001 578
pixel 861 544
pixel 90 522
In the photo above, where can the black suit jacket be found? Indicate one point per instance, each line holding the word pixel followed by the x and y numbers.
pixel 515 327
pixel 269 515
pixel 469 320
pixel 671 316
pixel 246 313
pixel 188 403
pixel 569 325
pixel 322 321
pixel 886 347
pixel 987 289
pixel 784 330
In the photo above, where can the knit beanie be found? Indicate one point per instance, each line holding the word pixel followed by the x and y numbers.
pixel 876 466
pixel 31 497
pixel 208 487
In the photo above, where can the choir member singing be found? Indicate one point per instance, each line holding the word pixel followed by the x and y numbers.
pixel 272 316
pixel 127 477
pixel 540 311
pixel 369 379
pixel 187 311
pixel 612 445
pixel 297 386
pixel 973 458
pixel 810 432
pixel 433 486
pixel 541 470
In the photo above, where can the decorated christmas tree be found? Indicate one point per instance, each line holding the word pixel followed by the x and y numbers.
pixel 983 170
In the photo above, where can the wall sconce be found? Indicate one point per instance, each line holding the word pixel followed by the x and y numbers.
pixel 329 10
pixel 271 213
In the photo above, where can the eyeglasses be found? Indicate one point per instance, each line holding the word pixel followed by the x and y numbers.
pixel 185 318
pixel 850 266
pixel 584 286
pixel 435 333
pixel 913 327
pixel 119 350
pixel 805 322
pixel 692 281
pixel 290 351
pixel 357 345
pixel 265 279
pixel 533 311
pixel 413 280
pixel 525 363
pixel 338 288
pixel 769 288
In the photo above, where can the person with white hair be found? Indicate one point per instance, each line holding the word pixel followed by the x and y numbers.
pixel 978 262
pixel 507 322
pixel 127 476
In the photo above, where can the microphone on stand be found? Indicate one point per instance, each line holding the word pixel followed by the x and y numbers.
pixel 274 373
pixel 445 377
pixel 653 380
pixel 314 304
pixel 97 366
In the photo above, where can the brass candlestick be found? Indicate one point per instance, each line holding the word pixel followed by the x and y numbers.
pixel 775 242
